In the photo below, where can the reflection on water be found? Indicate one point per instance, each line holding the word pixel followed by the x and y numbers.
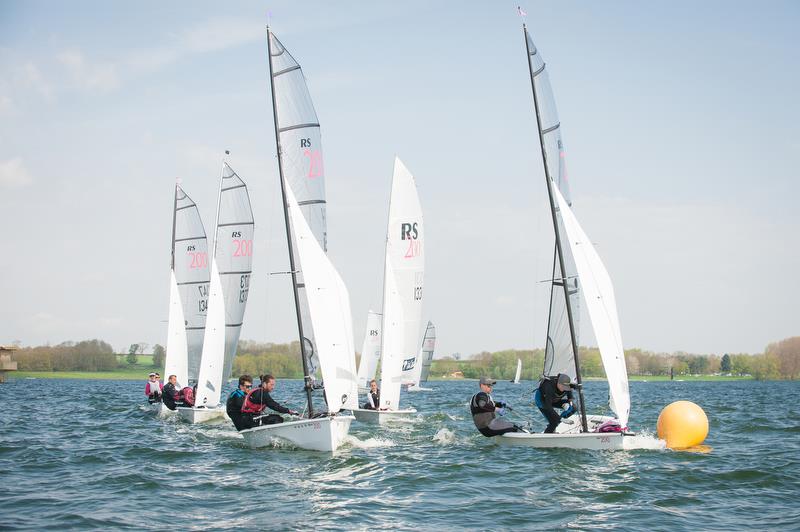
pixel 86 461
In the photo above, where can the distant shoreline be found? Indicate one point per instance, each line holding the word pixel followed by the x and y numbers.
pixel 134 375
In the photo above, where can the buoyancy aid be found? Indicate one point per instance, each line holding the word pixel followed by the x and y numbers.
pixel 482 408
pixel 250 407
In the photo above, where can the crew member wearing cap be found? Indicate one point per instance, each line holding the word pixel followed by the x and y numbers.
pixel 554 392
pixel 484 409
pixel 152 389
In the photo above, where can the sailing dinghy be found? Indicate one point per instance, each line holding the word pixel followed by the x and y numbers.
pixel 404 268
pixel 518 374
pixel 371 350
pixel 231 266
pixel 321 300
pixel 424 360
pixel 577 269
pixel 188 293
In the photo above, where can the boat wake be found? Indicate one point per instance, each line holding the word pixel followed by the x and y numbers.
pixel 644 441
pixel 445 437
pixel 369 443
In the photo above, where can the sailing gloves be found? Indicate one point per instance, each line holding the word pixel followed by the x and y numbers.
pixel 568 412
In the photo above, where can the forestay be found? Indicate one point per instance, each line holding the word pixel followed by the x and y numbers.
pixel 190 268
pixel 301 155
pixel 329 309
pixel 404 266
pixel 230 285
pixel 371 351
pixel 426 353
pixel 602 307
pixel 559 354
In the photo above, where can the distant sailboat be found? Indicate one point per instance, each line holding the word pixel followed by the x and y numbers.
pixel 322 303
pixel 231 266
pixel 188 299
pixel 404 269
pixel 424 360
pixel 576 269
pixel 371 350
pixel 518 374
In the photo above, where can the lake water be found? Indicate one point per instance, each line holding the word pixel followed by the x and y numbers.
pixel 88 454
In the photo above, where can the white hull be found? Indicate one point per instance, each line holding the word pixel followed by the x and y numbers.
pixel 200 415
pixel 380 417
pixel 162 411
pixel 568 436
pixel 321 434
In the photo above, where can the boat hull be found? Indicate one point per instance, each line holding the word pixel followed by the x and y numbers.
pixel 569 436
pixel 380 417
pixel 200 415
pixel 321 434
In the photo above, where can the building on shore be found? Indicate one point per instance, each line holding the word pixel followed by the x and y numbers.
pixel 6 364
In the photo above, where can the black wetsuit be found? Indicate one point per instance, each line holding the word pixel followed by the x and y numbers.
pixel 373 400
pixel 168 396
pixel 234 409
pixel 482 407
pixel 548 398
pixel 262 397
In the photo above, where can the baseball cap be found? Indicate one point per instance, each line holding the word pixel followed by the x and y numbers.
pixel 487 381
pixel 564 380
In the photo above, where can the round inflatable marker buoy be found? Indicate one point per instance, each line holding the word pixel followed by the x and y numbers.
pixel 682 424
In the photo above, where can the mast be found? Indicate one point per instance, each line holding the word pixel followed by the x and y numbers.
pixel 563 281
pixel 306 377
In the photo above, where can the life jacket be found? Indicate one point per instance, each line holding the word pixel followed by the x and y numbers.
pixel 188 396
pixel 250 407
pixel 480 416
pixel 612 425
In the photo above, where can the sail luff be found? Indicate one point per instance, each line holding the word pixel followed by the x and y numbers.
pixel 559 247
pixel 306 375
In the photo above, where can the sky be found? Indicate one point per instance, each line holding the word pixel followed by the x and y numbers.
pixel 680 121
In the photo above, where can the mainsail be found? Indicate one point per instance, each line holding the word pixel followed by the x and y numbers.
pixel 426 353
pixel 189 282
pixel 404 270
pixel 371 351
pixel 602 306
pixel 559 352
pixel 329 309
pixel 300 151
pixel 230 285
pixel 518 374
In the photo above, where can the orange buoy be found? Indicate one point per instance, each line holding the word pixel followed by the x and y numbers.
pixel 682 424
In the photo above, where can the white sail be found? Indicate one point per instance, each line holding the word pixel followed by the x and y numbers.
pixel 602 306
pixel 404 269
pixel 371 351
pixel 190 267
pixel 329 308
pixel 209 380
pixel 519 371
pixel 234 255
pixel 426 352
pixel 177 360
pixel 300 150
pixel 559 354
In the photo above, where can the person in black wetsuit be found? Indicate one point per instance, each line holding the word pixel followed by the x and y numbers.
pixel 171 395
pixel 373 396
pixel 554 392
pixel 258 400
pixel 236 400
pixel 484 409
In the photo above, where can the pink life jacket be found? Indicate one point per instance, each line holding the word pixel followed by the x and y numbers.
pixel 249 407
pixel 188 396
pixel 612 425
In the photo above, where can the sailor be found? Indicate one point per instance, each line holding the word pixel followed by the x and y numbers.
pixel 373 396
pixel 257 400
pixel 484 410
pixel 152 389
pixel 236 400
pixel 554 392
pixel 171 394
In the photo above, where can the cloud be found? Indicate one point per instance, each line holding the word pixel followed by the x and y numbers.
pixel 13 174
pixel 6 104
pixel 89 76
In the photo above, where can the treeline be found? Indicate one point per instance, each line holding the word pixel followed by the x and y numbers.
pixel 780 360
pixel 280 360
pixel 88 355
